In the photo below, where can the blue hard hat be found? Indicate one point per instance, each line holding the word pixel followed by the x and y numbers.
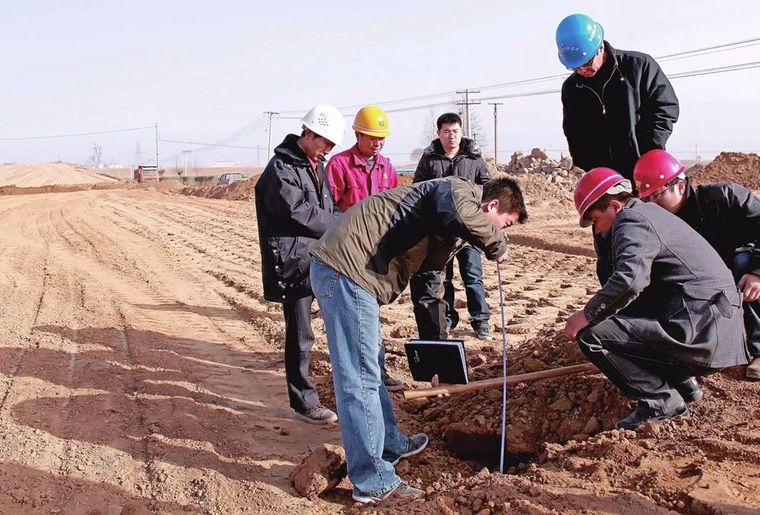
pixel 578 39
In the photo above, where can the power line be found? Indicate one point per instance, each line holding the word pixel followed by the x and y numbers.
pixel 203 144
pixel 73 134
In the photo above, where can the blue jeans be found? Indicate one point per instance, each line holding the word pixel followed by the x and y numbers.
pixel 365 411
pixel 471 271
pixel 742 265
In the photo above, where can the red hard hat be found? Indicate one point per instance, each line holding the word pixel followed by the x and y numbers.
pixel 655 169
pixel 592 186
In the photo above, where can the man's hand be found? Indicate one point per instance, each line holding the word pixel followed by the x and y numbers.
pixel 575 324
pixel 502 258
pixel 749 285
pixel 435 383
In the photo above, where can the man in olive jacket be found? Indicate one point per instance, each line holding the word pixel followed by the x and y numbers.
pixel 365 260
pixel 294 208
pixel 617 104
pixel 451 154
pixel 669 309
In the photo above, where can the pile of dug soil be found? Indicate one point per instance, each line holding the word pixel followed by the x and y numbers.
pixel 240 190
pixel 49 174
pixel 735 167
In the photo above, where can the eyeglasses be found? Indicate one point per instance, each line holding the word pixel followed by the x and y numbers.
pixel 659 194
pixel 450 132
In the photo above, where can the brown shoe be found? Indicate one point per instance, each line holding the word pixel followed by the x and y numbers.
pixel 753 369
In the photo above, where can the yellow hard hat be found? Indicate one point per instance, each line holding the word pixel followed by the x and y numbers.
pixel 372 121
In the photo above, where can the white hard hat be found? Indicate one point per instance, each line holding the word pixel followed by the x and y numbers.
pixel 327 121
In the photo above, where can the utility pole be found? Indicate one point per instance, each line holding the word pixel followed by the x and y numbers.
pixel 269 130
pixel 495 131
pixel 157 148
pixel 467 103
pixel 187 153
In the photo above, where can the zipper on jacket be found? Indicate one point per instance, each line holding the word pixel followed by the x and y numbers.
pixel 604 86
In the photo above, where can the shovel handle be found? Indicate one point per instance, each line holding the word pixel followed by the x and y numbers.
pixel 485 384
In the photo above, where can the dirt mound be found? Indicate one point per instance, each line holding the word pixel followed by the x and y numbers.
pixel 163 187
pixel 240 190
pixel 49 174
pixel 735 167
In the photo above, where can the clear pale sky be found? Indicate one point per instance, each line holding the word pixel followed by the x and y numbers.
pixel 203 70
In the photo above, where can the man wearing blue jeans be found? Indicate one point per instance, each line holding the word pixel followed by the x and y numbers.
pixel 366 260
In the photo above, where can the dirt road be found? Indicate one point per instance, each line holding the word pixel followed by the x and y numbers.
pixel 141 371
pixel 128 372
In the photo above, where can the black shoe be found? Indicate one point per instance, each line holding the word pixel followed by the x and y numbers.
pixel 392 384
pixel 644 413
pixel 690 390
pixel 415 445
pixel 483 333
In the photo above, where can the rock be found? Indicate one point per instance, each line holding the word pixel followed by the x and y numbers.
pixel 561 404
pixel 565 162
pixel 532 365
pixel 322 470
pixel 592 426
pixel 537 153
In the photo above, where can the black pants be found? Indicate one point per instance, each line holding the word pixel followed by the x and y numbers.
pixel 429 308
pixel 742 265
pixel 299 340
pixel 636 367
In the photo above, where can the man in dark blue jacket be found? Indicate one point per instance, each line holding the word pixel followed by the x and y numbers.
pixel 668 309
pixel 449 155
pixel 726 215
pixel 294 208
pixel 617 104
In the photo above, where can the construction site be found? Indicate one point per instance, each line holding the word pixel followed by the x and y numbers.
pixel 143 373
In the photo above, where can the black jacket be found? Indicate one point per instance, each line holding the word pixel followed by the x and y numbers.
pixel 468 163
pixel 727 216
pixel 670 290
pixel 634 114
pixel 293 210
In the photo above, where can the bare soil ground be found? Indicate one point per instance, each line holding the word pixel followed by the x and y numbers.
pixel 142 372
pixel 48 174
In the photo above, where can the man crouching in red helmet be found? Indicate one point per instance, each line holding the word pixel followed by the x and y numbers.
pixel 668 309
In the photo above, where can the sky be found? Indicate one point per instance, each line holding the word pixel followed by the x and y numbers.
pixel 203 71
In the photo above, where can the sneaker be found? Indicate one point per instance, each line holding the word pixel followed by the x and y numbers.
pixel 690 390
pixel 402 490
pixel 415 445
pixel 483 333
pixel 317 415
pixel 753 369
pixel 644 413
pixel 393 384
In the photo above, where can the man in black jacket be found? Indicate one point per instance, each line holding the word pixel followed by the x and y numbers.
pixel 617 104
pixel 451 154
pixel 294 208
pixel 667 311
pixel 726 215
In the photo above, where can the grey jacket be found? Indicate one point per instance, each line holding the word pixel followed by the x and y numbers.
pixel 384 240
pixel 670 289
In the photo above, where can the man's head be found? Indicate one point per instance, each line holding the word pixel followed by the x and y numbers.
pixel 599 196
pixel 503 203
pixel 371 127
pixel 580 44
pixel 450 131
pixel 660 178
pixel 323 128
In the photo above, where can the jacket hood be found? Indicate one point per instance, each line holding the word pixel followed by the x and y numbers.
pixel 467 147
pixel 289 150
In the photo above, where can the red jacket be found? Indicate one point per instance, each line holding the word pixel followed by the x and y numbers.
pixel 351 181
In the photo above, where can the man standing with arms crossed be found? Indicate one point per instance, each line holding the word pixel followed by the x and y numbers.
pixel 451 154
